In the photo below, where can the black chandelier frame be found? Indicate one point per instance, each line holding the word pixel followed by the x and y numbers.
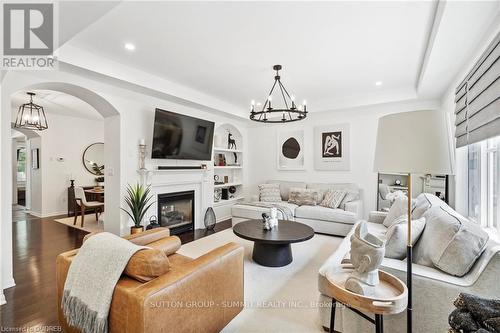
pixel 288 114
pixel 31 116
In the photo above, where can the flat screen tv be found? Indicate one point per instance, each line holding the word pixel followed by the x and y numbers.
pixel 180 137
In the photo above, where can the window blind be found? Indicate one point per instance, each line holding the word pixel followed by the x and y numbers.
pixel 477 99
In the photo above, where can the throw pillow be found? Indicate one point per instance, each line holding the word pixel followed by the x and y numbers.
pixel 397 236
pixel 424 202
pixel 304 197
pixel 333 198
pixel 399 207
pixel 351 195
pixel 450 242
pixel 269 192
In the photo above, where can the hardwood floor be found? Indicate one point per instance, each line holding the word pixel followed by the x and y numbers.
pixel 36 244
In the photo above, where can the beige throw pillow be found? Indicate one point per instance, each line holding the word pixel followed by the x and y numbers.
pixel 449 242
pixel 399 207
pixel 333 198
pixel 304 197
pixel 269 192
pixel 397 236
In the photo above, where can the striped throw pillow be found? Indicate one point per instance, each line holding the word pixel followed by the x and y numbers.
pixel 333 198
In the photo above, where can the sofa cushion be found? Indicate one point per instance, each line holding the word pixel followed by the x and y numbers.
pixel 333 198
pixel 285 187
pixel 351 195
pixel 302 196
pixel 398 208
pixel 397 236
pixel 147 264
pixel 255 212
pixel 325 187
pixel 325 214
pixel 269 192
pixel 449 242
pixel 424 202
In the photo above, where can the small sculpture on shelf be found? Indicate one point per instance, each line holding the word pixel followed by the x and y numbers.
pixel 270 221
pixel 367 253
pixel 231 142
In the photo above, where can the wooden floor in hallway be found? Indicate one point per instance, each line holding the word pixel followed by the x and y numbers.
pixel 36 244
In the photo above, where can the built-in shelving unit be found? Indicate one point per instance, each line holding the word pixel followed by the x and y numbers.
pixel 228 168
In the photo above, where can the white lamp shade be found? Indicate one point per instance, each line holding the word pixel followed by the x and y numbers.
pixel 414 142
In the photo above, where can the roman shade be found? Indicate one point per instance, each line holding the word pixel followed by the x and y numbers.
pixel 477 99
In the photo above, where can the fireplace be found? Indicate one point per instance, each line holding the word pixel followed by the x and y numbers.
pixel 176 211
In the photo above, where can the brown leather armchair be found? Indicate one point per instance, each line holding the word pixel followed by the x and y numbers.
pixel 195 295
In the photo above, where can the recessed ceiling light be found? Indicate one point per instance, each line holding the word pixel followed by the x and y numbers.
pixel 378 83
pixel 129 46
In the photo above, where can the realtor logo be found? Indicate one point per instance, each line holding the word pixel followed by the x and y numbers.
pixel 28 36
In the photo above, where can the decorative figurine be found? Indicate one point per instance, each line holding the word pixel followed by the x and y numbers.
pixel 231 143
pixel 270 221
pixel 367 253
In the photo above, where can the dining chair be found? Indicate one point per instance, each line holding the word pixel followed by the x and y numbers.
pixel 81 201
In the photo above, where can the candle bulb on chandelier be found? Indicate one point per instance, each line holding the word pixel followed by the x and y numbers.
pixel 304 103
pixel 253 105
pixel 293 102
pixel 269 99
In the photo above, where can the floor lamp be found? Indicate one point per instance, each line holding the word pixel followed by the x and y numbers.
pixel 413 142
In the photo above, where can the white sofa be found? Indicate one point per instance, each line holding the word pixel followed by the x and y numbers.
pixel 433 290
pixel 321 219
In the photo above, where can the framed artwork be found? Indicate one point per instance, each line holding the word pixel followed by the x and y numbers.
pixel 332 147
pixel 35 162
pixel 291 150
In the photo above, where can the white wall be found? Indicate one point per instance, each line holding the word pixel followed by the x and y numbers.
pixel 363 129
pixel 67 137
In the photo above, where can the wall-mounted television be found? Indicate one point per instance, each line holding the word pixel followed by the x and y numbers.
pixel 180 137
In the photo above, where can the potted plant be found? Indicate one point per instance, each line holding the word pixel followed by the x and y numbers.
pixel 138 202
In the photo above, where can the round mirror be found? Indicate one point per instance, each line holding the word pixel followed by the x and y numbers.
pixel 93 158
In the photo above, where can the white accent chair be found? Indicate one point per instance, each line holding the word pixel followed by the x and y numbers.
pixel 81 201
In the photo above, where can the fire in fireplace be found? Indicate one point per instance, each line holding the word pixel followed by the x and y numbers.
pixel 176 211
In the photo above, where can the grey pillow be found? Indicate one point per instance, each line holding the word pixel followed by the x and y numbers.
pixel 304 197
pixel 397 236
pixel 450 242
pixel 398 208
pixel 351 195
pixel 269 192
pixel 424 202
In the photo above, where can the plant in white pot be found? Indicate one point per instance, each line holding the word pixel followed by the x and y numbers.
pixel 138 202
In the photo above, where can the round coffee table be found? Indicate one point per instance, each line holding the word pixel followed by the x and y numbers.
pixel 272 247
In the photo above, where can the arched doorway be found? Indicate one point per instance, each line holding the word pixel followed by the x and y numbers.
pixel 112 162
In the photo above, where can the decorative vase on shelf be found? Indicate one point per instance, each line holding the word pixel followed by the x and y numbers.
pixel 209 219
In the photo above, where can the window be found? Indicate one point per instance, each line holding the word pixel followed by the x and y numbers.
pixel 484 182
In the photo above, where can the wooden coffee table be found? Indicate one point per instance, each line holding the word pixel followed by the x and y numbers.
pixel 272 247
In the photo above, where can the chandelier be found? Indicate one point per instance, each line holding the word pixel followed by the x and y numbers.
pixel 31 116
pixel 289 113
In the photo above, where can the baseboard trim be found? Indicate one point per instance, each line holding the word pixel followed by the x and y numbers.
pixel 9 283
pixel 39 215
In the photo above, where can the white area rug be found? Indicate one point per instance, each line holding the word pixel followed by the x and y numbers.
pixel 281 299
pixel 90 224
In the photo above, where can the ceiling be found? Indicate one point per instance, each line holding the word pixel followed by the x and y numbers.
pixel 55 102
pixel 332 52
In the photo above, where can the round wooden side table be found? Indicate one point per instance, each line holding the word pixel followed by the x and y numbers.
pixel 390 296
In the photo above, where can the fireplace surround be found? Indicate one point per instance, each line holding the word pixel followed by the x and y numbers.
pixel 176 211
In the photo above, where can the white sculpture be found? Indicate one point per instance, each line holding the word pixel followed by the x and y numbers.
pixel 270 220
pixel 367 253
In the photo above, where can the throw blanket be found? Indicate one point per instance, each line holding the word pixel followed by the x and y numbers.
pixel 475 314
pixel 91 280
pixel 285 211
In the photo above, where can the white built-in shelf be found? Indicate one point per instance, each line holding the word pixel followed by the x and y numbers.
pixel 225 150
pixel 227 167
pixel 227 185
pixel 228 201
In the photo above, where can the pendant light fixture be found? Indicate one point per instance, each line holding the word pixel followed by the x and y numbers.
pixel 288 113
pixel 31 116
